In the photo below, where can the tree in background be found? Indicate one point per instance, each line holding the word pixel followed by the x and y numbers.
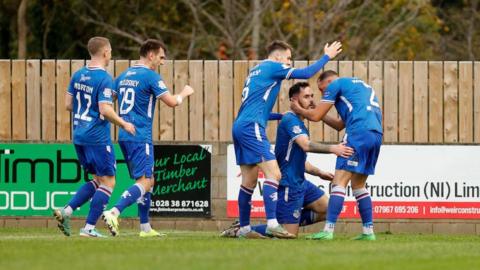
pixel 228 29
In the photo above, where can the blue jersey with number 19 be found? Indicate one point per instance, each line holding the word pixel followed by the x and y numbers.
pixel 90 86
pixel 261 90
pixel 138 89
pixel 356 103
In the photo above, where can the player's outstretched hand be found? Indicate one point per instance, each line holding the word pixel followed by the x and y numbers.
pixel 342 150
pixel 129 127
pixel 187 90
pixel 326 175
pixel 333 49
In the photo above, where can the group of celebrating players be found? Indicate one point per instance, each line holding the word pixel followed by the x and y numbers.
pixel 290 200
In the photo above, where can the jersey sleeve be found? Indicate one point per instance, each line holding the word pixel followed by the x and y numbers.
pixel 281 71
pixel 275 116
pixel 105 91
pixel 332 92
pixel 158 86
pixel 295 127
pixel 71 89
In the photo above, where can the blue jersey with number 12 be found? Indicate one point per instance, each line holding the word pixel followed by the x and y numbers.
pixel 356 103
pixel 90 86
pixel 138 89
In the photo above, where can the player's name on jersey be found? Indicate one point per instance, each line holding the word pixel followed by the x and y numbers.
pixel 132 83
pixel 83 87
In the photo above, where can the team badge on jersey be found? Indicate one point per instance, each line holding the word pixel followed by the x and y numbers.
pixel 296 129
pixel 162 85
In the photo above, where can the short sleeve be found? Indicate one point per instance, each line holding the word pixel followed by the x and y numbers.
pixel 295 127
pixel 71 89
pixel 332 92
pixel 281 71
pixel 105 91
pixel 158 86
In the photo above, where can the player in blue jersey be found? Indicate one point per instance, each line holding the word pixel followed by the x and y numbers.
pixel 138 88
pixel 300 202
pixel 89 97
pixel 360 111
pixel 252 148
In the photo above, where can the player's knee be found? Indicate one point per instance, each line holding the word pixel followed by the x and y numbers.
pixel 108 181
pixel 276 175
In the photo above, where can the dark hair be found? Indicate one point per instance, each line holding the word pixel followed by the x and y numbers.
pixel 151 45
pixel 327 74
pixel 278 45
pixel 296 88
pixel 95 44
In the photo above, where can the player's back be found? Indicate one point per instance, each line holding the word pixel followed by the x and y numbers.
pixel 90 86
pixel 356 103
pixel 138 89
pixel 290 157
pixel 261 90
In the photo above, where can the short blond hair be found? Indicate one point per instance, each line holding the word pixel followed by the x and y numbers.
pixel 95 44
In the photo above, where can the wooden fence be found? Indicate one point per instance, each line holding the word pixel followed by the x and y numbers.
pixel 423 102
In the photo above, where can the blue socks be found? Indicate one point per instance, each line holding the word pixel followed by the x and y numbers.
pixel 270 198
pixel 84 193
pixel 364 202
pixel 308 217
pixel 335 205
pixel 261 229
pixel 144 207
pixel 244 205
pixel 98 204
pixel 130 196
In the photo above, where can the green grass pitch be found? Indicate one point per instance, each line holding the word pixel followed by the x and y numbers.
pixel 47 249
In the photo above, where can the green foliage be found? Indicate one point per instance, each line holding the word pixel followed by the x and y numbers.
pixel 369 30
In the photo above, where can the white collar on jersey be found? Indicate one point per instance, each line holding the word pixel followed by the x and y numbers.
pixel 141 65
pixel 94 67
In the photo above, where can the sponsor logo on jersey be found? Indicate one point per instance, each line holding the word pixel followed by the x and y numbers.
pixel 84 78
pixel 107 92
pixel 129 73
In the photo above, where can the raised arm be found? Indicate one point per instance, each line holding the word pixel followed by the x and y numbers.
pixel 307 72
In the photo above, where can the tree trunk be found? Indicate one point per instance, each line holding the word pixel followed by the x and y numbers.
pixel 256 30
pixel 22 30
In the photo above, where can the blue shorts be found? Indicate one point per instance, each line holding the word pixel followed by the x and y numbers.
pixel 139 158
pixel 251 144
pixel 97 159
pixel 291 201
pixel 367 148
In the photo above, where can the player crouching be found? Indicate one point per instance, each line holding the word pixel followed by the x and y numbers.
pixel 300 202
